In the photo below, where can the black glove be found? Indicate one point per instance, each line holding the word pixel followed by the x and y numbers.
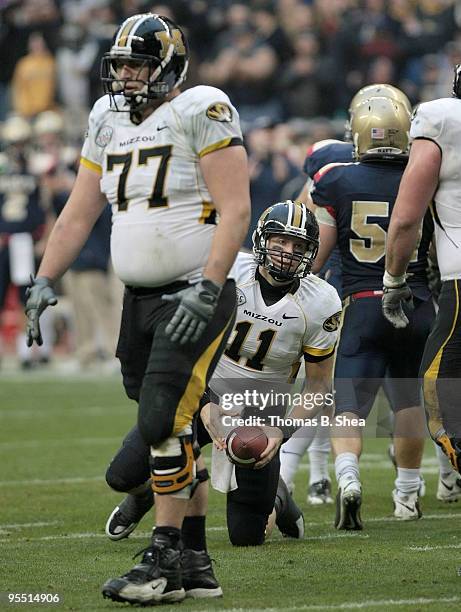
pixel 392 304
pixel 39 295
pixel 197 305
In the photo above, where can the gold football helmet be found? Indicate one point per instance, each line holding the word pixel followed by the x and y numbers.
pixel 380 129
pixel 382 90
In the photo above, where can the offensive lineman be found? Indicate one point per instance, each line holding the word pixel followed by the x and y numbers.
pixel 167 162
pixel 432 179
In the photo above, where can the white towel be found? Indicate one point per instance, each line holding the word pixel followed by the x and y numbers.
pixel 222 472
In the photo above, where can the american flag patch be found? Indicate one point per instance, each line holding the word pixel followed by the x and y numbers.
pixel 377 133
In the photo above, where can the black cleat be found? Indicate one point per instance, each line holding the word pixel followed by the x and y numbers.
pixel 320 493
pixel 348 510
pixel 125 517
pixel 198 577
pixel 289 518
pixel 157 579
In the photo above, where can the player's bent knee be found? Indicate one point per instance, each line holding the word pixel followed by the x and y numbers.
pixel 173 467
pixel 116 481
pixel 127 471
pixel 246 529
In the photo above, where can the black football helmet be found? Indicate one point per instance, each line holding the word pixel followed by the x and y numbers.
pixel 290 219
pixel 151 41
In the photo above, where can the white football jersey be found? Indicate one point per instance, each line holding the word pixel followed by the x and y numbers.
pixel 440 121
pixel 268 342
pixel 163 217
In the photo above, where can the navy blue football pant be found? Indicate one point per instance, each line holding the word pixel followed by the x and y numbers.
pixel 370 348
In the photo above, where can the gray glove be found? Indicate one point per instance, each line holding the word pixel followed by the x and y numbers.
pixel 392 304
pixel 39 295
pixel 197 305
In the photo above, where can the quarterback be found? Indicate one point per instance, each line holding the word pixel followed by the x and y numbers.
pixel 275 283
pixel 168 163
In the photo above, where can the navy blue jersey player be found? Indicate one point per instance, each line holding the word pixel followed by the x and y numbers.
pixel 21 211
pixel 356 201
pixel 318 156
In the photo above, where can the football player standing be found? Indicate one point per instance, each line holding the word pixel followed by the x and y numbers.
pixel 167 162
pixel 319 155
pixel 355 201
pixel 431 179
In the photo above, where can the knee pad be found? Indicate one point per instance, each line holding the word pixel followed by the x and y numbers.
pixel 173 467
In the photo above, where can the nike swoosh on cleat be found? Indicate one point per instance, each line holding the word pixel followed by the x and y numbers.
pixel 284 316
pixel 447 486
pixel 407 507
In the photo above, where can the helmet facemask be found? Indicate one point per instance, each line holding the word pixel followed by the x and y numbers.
pixel 156 44
pixel 290 220
pixel 282 265
pixel 150 88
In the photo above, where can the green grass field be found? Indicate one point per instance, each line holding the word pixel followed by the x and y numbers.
pixel 55 442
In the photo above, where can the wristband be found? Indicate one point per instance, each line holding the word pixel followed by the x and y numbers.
pixel 393 282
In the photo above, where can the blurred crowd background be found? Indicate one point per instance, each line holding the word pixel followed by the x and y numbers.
pixel 291 68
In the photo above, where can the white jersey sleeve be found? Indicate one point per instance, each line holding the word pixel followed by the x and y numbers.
pixel 322 307
pixel 440 121
pixel 209 119
pixel 96 137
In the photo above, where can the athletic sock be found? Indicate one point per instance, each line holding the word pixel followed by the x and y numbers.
pixel 194 532
pixel 347 471
pixel 292 452
pixel 171 534
pixel 408 480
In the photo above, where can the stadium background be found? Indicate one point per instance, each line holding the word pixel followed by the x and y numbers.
pixel 291 68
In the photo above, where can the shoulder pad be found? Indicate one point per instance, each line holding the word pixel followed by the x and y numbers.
pixel 203 97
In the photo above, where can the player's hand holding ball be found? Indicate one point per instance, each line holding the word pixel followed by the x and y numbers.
pixel 253 447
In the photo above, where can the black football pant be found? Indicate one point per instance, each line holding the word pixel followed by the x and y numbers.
pixel 248 507
pixel 441 364
pixel 165 378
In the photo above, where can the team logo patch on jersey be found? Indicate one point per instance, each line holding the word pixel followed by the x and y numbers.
pixel 104 135
pixel 241 299
pixel 219 111
pixel 332 323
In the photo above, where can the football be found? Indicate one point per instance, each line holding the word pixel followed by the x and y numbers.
pixel 244 445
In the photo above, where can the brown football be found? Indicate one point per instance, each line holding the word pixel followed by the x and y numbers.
pixel 245 444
